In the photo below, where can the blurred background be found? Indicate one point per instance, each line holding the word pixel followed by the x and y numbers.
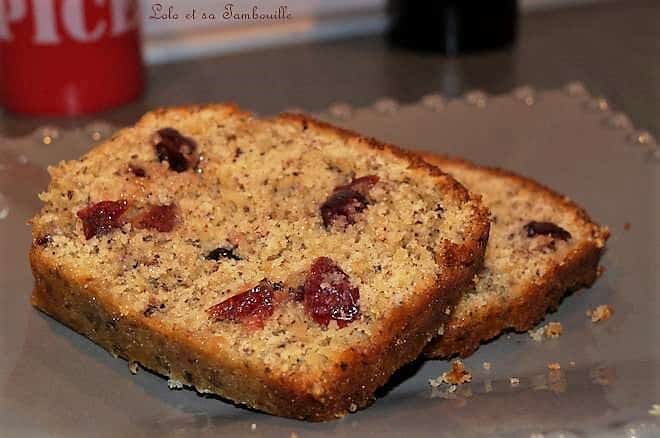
pixel 312 20
pixel 75 61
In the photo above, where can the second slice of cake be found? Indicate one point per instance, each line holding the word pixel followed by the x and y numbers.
pixel 541 246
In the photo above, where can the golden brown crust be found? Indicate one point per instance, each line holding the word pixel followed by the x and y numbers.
pixel 579 269
pixel 177 353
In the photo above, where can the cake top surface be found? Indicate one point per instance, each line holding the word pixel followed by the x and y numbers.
pixel 195 207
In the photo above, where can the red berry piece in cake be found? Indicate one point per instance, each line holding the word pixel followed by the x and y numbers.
pixel 329 294
pixel 346 201
pixel 534 228
pixel 162 218
pixel 102 217
pixel 251 307
pixel 178 150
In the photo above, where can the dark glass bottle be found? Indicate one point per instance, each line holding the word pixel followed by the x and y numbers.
pixel 452 27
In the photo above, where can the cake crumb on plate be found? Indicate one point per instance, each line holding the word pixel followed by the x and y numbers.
pixel 551 330
pixel 174 384
pixel 600 313
pixel 457 375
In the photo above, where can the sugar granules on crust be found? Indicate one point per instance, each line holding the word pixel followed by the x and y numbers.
pixel 551 330
pixel 600 313
pixel 456 376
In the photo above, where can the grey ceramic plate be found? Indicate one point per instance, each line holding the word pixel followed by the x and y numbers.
pixel 55 382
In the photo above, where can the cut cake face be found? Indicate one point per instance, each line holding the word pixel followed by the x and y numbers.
pixel 283 264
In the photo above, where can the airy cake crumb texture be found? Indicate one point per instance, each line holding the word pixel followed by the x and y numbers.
pixel 257 189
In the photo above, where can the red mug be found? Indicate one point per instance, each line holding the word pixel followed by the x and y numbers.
pixel 68 57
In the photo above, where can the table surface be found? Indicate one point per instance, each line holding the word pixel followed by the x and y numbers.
pixel 614 48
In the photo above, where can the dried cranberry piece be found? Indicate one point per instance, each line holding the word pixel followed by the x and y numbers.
pixel 179 151
pixel 159 217
pixel 328 294
pixel 251 307
pixel 347 201
pixel 342 206
pixel 222 253
pixel 102 217
pixel 534 228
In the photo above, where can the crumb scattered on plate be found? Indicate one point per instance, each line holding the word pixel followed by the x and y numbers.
pixel 486 366
pixel 514 381
pixel 254 426
pixel 435 382
pixel 457 375
pixel 174 384
pixel 600 313
pixel 554 366
pixel 133 367
pixel 551 330
pixel 536 334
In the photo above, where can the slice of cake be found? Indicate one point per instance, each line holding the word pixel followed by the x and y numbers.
pixel 541 246
pixel 283 264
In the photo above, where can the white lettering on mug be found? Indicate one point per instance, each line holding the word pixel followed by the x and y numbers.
pixel 45 23
pixel 74 24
